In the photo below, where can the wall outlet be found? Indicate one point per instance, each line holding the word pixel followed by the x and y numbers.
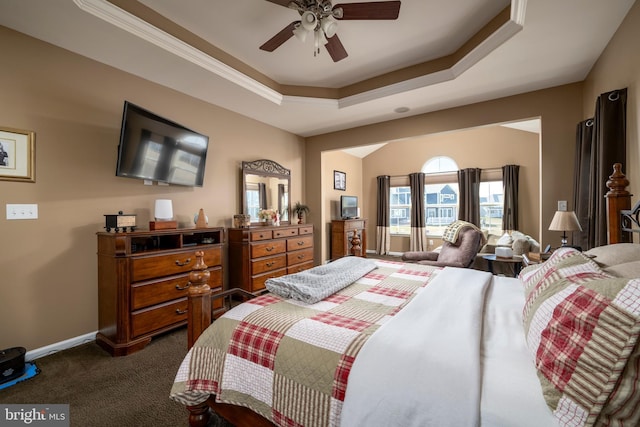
pixel 562 205
pixel 22 211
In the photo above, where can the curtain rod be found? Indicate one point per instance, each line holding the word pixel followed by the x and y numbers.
pixel 498 169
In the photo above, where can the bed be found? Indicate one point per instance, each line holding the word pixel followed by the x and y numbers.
pixel 387 343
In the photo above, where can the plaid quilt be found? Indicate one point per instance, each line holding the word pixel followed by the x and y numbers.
pixel 290 361
pixel 582 328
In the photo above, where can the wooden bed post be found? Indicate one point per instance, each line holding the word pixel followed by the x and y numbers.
pixel 199 300
pixel 618 199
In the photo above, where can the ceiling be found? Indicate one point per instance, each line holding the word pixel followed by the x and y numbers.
pixel 437 54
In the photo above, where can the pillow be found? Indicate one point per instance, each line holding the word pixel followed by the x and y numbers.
pixel 627 269
pixel 520 246
pixel 581 327
pixel 505 240
pixel 615 254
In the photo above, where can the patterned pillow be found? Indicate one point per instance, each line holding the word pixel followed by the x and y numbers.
pixel 582 327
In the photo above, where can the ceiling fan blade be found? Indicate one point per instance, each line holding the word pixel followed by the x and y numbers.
pixel 276 41
pixel 284 3
pixel 336 49
pixel 370 10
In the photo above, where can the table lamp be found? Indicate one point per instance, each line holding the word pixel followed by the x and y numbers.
pixel 565 221
pixel 163 214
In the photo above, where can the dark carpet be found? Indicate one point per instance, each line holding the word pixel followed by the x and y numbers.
pixel 105 391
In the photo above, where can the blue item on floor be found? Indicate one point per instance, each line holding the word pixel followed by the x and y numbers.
pixel 30 371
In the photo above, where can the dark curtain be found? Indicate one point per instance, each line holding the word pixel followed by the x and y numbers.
pixel 383 234
pixel 510 180
pixel 418 237
pixel 607 146
pixel 262 194
pixel 469 188
pixel 581 181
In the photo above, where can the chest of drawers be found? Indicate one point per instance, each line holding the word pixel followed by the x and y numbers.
pixel 259 253
pixel 143 279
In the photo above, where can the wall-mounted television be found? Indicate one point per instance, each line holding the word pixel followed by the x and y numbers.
pixel 349 207
pixel 157 149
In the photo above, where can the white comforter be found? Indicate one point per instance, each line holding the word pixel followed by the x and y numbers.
pixel 467 365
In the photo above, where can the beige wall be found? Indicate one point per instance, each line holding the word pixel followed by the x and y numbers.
pixel 619 67
pixel 487 148
pixel 559 109
pixel 352 167
pixel 48 271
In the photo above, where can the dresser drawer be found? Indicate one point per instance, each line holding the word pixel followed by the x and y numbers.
pixel 146 294
pixel 296 243
pixel 158 317
pixel 285 232
pixel 263 265
pixel 272 247
pixel 353 224
pixel 306 230
pixel 299 267
pixel 299 256
pixel 149 267
pixel 261 235
pixel 257 282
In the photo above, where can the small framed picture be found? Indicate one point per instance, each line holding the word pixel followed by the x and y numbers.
pixel 17 155
pixel 339 180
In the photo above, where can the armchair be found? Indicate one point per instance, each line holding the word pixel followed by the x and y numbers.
pixel 462 253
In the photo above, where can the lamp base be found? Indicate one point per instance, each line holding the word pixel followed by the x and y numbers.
pixel 162 225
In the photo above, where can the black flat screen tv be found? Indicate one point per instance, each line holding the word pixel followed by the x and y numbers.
pixel 349 207
pixel 156 149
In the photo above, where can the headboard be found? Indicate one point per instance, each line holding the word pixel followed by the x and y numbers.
pixel 622 220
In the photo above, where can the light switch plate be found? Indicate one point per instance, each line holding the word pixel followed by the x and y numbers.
pixel 562 205
pixel 22 211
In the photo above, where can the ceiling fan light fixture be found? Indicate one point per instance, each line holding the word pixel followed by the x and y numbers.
pixel 300 32
pixel 337 13
pixel 309 20
pixel 329 26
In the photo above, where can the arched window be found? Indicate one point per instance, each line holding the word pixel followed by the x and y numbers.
pixel 440 164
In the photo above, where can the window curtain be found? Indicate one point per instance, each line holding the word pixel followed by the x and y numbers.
pixel 383 233
pixel 581 181
pixel 469 189
pixel 418 237
pixel 510 179
pixel 606 146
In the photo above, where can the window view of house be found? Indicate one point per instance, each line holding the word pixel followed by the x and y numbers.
pixel 441 201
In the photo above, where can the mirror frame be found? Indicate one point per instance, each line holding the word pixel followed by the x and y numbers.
pixel 264 167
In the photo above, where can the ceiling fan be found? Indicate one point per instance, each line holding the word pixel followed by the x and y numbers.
pixel 320 18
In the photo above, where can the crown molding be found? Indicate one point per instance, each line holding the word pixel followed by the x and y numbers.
pixel 126 21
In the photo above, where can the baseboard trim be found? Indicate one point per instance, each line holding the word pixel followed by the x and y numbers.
pixel 59 346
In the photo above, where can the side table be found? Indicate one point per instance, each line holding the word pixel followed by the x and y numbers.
pixel 515 260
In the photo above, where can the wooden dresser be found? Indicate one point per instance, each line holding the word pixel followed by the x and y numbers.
pixel 259 253
pixel 348 237
pixel 143 277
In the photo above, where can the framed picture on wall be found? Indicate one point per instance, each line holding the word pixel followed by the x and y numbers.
pixel 17 155
pixel 339 180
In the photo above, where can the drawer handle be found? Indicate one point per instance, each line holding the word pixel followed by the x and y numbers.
pixel 300 256
pixel 261 236
pixel 182 288
pixel 270 248
pixel 182 264
pixel 270 264
pixel 178 311
pixel 301 242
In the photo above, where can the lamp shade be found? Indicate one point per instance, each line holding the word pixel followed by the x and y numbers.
pixel 163 210
pixel 565 221
pixel 309 20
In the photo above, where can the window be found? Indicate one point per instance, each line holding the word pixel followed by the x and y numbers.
pixel 441 194
pixel 400 213
pixel 491 203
